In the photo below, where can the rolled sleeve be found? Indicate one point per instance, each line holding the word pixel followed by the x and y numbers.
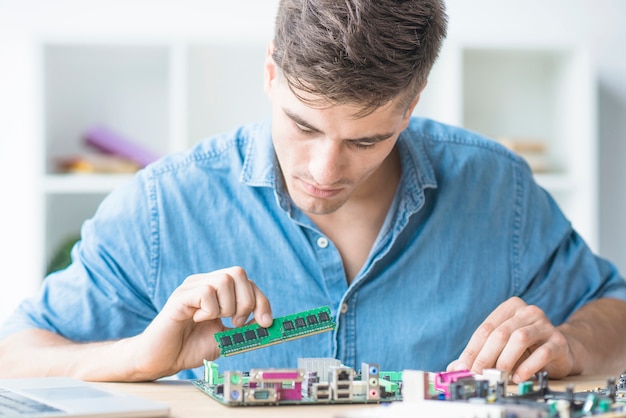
pixel 557 270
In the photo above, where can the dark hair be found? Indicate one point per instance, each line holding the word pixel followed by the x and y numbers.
pixel 358 52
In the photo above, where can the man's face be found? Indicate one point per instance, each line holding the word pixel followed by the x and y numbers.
pixel 327 155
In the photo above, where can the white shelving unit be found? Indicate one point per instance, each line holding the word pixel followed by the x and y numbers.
pixel 167 96
pixel 541 93
pixel 162 96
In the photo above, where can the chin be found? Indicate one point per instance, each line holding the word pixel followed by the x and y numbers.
pixel 319 208
pixel 315 205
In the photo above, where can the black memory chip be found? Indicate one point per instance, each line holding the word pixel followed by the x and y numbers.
pixel 300 323
pixel 311 319
pixel 250 335
pixel 288 325
pixel 324 317
pixel 226 341
pixel 238 338
pixel 262 332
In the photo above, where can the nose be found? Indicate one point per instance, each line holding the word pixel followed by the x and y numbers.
pixel 326 162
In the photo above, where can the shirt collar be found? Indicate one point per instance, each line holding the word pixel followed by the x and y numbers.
pixel 261 168
pixel 417 169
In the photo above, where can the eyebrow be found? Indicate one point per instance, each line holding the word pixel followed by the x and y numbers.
pixel 374 138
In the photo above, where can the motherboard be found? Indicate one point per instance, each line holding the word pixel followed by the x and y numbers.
pixel 327 381
pixel 454 394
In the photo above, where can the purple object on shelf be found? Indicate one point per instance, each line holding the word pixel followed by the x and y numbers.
pixel 113 143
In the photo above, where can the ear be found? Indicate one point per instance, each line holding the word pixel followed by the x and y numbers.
pixel 406 119
pixel 270 71
pixel 411 107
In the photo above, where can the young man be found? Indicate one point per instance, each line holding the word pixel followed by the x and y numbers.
pixel 433 247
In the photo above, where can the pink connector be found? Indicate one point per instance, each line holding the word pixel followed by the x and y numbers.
pixel 444 379
pixel 278 375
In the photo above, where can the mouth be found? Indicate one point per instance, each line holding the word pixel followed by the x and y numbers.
pixel 319 192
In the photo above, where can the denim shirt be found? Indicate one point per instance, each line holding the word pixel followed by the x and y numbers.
pixel 468 229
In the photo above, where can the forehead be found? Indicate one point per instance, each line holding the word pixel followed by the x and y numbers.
pixel 302 103
pixel 320 101
pixel 339 123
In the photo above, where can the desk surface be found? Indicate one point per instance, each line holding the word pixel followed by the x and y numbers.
pixel 186 401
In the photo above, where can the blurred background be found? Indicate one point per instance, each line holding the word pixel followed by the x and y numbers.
pixel 90 91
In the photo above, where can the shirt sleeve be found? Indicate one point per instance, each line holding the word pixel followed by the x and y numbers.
pixel 554 268
pixel 106 292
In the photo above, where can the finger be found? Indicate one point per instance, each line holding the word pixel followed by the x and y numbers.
pixel 210 295
pixel 185 301
pixel 217 300
pixel 507 344
pixel 227 293
pixel 456 365
pixel 224 293
pixel 490 352
pixel 249 299
pixel 244 302
pixel 477 342
pixel 520 344
pixel 262 308
pixel 552 356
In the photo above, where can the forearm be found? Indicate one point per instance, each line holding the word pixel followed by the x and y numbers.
pixel 597 337
pixel 37 352
pixel 180 337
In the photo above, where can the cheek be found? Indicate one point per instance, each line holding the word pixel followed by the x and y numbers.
pixel 367 164
pixel 288 152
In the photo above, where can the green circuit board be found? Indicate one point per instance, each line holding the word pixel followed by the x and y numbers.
pixel 285 328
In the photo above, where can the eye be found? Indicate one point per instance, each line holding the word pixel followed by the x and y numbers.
pixel 303 129
pixel 363 144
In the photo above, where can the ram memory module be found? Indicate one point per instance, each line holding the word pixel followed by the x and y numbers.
pixel 285 328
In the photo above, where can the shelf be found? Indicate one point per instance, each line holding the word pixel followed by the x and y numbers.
pixel 122 87
pixel 162 96
pixel 522 94
pixel 83 183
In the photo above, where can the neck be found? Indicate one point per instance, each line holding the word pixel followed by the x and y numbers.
pixel 354 227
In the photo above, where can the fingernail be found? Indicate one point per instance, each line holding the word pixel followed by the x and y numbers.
pixel 267 319
pixel 240 321
pixel 516 378
pixel 460 366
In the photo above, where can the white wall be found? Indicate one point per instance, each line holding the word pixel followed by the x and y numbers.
pixel 600 24
pixel 609 35
pixel 24 22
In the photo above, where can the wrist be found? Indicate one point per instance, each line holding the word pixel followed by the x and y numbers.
pixel 139 363
pixel 578 354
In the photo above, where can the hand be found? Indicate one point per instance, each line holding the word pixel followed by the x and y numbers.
pixel 181 335
pixel 520 339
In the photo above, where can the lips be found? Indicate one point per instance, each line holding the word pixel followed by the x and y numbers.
pixel 315 191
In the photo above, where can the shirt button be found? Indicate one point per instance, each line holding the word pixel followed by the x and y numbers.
pixel 322 242
pixel 344 308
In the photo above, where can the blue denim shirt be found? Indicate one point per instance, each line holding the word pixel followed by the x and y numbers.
pixel 468 229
